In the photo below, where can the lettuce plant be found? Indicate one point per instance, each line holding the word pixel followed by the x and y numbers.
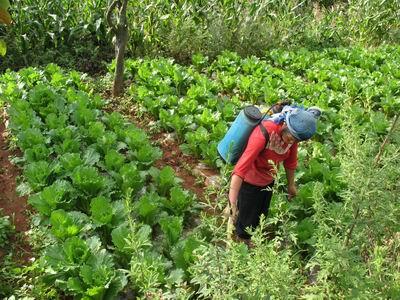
pixel 148 208
pixel 83 269
pixel 178 202
pixel 96 130
pixel 58 195
pixel 37 153
pixel 63 224
pixel 172 227
pixel 37 174
pixel 114 160
pixel 183 252
pixel 135 138
pixel 165 179
pixel 146 155
pixel 88 180
pixel 101 210
pixel 130 178
pixel 30 138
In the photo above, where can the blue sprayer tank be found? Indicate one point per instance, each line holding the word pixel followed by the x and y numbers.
pixel 231 147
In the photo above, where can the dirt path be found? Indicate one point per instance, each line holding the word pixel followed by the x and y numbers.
pixel 10 203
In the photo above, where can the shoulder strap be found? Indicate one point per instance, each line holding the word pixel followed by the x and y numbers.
pixel 265 133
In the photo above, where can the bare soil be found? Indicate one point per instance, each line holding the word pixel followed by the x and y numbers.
pixel 10 203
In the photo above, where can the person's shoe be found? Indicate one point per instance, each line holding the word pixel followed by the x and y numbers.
pixel 248 242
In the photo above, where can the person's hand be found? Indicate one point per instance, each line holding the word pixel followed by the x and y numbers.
pixel 276 144
pixel 234 212
pixel 292 191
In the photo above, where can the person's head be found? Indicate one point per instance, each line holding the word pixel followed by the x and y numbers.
pixel 287 137
pixel 300 125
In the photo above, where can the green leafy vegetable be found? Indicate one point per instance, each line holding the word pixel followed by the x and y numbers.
pixel 63 225
pixel 57 195
pixel 130 178
pixel 101 210
pixel 172 228
pixel 88 180
pixel 179 201
pixel 148 208
pixel 37 174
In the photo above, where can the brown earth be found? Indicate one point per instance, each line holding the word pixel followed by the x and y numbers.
pixel 173 157
pixel 185 166
pixel 10 203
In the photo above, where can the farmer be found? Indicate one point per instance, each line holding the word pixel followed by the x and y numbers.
pixel 253 176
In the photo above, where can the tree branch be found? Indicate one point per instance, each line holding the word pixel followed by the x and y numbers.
pixel 109 13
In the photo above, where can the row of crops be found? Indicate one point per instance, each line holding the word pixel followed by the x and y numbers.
pixel 112 223
pixel 198 102
pixel 102 204
pixel 358 90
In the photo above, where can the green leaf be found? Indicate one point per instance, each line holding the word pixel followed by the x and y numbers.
pixel 88 180
pixel 165 180
pixel 30 138
pixel 131 178
pixel 91 157
pixel 70 161
pixel 75 285
pixel 51 197
pixel 176 277
pixel 76 250
pixel 179 201
pixel 135 138
pixel 107 141
pixel 101 210
pixel 182 253
pixel 146 155
pixel 3 48
pixel 114 160
pixel 96 130
pixel 37 174
pixel 4 4
pixel 148 208
pixel 119 236
pixel 305 229
pixel 63 225
pixel 172 228
pixel 37 152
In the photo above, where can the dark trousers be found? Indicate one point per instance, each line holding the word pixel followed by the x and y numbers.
pixel 253 201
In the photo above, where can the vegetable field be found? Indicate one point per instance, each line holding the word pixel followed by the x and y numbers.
pixel 101 196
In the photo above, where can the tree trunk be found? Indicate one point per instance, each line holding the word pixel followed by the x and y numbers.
pixel 121 39
pixel 120 45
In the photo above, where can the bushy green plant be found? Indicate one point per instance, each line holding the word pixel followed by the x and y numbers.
pixel 6 228
pixel 236 272
pixel 84 269
pixel 353 235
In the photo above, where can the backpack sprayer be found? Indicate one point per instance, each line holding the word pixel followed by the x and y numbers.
pixel 231 147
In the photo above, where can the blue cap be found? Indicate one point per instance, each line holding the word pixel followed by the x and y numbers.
pixel 301 124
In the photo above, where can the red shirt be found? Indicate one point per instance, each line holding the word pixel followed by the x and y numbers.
pixel 254 165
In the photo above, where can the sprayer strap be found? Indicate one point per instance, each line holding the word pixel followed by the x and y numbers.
pixel 265 134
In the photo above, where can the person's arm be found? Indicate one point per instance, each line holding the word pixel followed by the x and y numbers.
pixel 290 167
pixel 236 183
pixel 292 190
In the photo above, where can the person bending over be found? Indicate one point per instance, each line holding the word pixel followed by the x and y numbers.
pixel 253 176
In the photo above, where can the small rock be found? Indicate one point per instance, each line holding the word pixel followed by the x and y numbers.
pixel 169 137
